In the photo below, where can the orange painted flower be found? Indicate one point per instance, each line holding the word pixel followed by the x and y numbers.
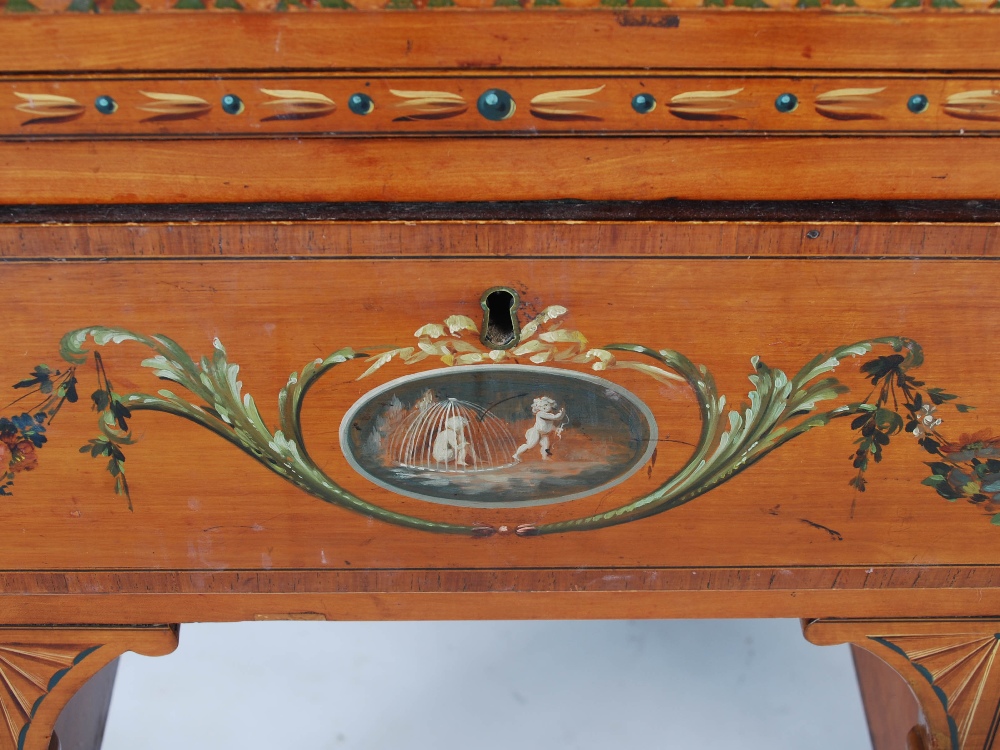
pixel 981 444
pixel 24 457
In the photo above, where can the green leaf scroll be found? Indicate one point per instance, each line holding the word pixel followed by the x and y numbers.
pixel 779 409
pixel 233 415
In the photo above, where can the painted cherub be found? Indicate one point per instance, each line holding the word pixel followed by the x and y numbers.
pixel 546 419
pixel 451 445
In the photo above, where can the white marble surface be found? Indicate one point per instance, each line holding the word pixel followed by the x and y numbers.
pixel 697 685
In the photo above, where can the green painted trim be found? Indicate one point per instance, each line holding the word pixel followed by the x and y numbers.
pixel 780 409
pixel 923 672
pixel 53 681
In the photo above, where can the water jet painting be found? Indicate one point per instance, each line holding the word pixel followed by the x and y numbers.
pixel 498 435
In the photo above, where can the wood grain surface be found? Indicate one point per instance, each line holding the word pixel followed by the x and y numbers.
pixel 890 706
pixel 590 168
pixel 44 666
pixel 948 664
pixel 121 237
pixel 208 521
pixel 638 38
pixel 201 506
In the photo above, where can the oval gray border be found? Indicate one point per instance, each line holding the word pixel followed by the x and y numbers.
pixel 444 373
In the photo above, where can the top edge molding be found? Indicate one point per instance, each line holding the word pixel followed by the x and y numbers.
pixel 97 7
pixel 171 38
pixel 101 7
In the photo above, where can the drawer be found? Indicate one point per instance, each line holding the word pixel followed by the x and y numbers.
pixel 655 414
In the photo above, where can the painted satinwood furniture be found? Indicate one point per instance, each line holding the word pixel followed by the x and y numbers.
pixel 325 310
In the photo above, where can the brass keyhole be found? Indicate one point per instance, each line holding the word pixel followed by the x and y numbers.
pixel 500 329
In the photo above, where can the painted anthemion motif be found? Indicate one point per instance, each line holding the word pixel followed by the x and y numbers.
pixel 534 423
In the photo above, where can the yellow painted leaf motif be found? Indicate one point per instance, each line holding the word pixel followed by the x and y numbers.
pixel 296 102
pixel 849 104
pixel 435 348
pixel 565 103
pixel 458 323
pixel 549 313
pixel 664 376
pixel 855 94
pixel 529 347
pixel 468 359
pixel 383 359
pixel 563 335
pixel 463 346
pixel 982 104
pixel 431 330
pixel 430 104
pixel 48 106
pixel 415 357
pixel 437 95
pixel 703 102
pixel 287 94
pixel 175 104
pixel 603 358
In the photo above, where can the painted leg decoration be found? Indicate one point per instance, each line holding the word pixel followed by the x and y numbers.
pixel 948 664
pixel 42 667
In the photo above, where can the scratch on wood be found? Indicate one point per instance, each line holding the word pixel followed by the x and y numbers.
pixel 835 535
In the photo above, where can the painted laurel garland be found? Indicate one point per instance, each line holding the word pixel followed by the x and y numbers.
pixel 780 409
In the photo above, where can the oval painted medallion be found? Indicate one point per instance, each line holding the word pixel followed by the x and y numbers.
pixel 498 435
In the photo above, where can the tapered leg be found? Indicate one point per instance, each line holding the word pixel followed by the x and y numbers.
pixel 890 705
pixel 41 668
pixel 950 665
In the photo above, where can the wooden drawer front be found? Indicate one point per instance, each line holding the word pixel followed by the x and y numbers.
pixel 217 490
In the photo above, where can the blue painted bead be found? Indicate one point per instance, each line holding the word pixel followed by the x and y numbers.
pixel 105 105
pixel 360 104
pixel 786 103
pixel 496 105
pixel 643 103
pixel 232 104
pixel 917 103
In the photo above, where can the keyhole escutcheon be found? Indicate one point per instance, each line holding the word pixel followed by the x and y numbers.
pixel 500 329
